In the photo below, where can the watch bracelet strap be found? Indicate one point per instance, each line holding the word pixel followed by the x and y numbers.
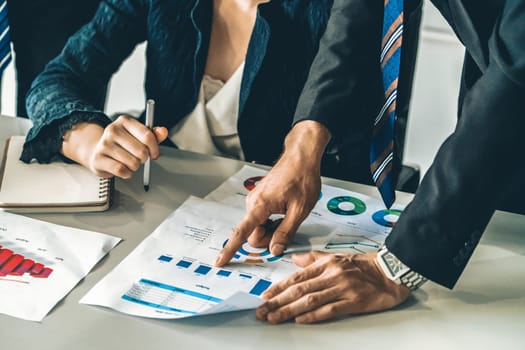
pixel 412 280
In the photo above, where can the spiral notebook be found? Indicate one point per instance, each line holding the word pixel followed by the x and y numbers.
pixel 55 187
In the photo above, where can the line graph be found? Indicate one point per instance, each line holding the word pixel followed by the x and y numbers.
pixel 359 243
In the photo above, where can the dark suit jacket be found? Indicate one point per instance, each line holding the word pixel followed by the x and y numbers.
pixel 344 89
pixel 479 164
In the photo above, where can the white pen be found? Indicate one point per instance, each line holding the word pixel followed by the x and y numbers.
pixel 150 112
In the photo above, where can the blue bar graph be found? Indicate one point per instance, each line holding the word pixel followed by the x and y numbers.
pixel 165 258
pixel 202 269
pixel 260 287
pixel 224 273
pixel 184 263
pixel 245 275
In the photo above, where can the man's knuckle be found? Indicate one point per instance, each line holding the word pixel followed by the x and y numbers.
pixel 334 309
pixel 330 259
pixel 295 278
pixel 285 313
pixel 297 291
pixel 286 234
pixel 272 305
pixel 340 274
pixel 311 299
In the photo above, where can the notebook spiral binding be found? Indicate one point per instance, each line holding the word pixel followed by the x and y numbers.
pixel 104 187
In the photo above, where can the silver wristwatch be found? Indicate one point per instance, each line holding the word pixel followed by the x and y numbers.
pixel 398 272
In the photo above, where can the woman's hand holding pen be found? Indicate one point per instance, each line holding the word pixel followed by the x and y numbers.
pixel 118 150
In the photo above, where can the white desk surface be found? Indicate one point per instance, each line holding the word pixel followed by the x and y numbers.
pixel 486 310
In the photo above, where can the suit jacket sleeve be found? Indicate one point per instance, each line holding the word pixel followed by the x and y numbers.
pixel 343 90
pixel 439 230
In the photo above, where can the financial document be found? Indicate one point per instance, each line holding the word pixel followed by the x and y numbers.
pixel 41 262
pixel 171 273
pixel 360 223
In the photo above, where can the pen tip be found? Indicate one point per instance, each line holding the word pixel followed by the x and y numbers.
pixel 146 188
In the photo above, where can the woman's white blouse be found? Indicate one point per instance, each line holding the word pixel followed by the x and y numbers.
pixel 211 127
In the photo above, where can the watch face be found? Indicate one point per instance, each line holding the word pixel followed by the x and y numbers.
pixel 394 264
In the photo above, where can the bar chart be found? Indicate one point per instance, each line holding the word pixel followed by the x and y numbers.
pixel 13 264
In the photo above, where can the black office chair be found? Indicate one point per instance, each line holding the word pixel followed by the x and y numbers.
pixel 409 176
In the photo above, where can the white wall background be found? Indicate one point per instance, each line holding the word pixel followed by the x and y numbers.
pixel 433 109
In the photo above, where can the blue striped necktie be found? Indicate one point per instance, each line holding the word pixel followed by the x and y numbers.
pixel 382 150
pixel 5 40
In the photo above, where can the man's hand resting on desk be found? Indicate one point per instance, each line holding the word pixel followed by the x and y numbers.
pixel 291 188
pixel 117 150
pixel 329 286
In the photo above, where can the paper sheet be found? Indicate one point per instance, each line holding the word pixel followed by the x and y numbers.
pixel 171 273
pixel 361 223
pixel 41 262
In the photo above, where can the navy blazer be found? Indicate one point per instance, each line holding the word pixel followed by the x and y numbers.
pixel 478 167
pixel 283 44
pixel 344 90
